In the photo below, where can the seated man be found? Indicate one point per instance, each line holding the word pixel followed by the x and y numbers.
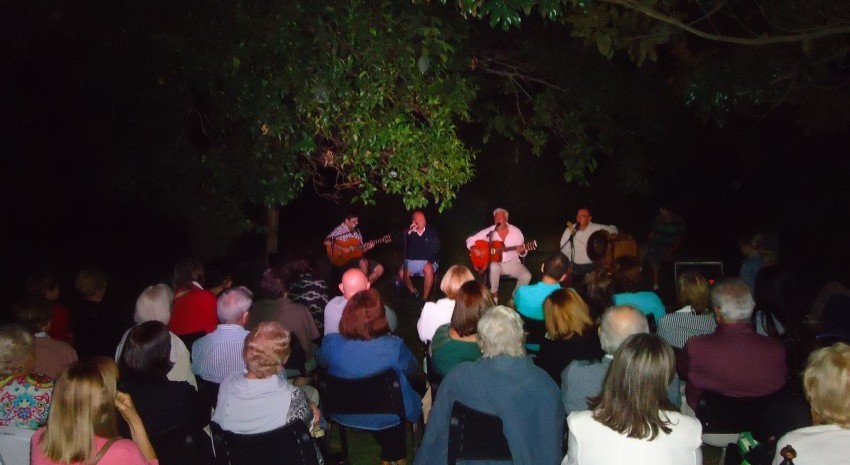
pixel 733 361
pixel 506 383
pixel 582 379
pixel 219 353
pixel 529 298
pixel 353 281
pixel 514 249
pixel 422 249
pixel 51 355
pixel 574 243
pixel 345 248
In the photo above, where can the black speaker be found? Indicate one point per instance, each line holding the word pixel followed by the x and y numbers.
pixel 712 270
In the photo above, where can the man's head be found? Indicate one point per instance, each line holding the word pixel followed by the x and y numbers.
pixel 617 324
pixel 732 301
pixel 34 312
pixel 418 219
pixel 583 217
pixel 186 271
pixel 555 266
pixel 91 284
pixel 500 216
pixel 351 221
pixel 353 281
pixel 233 305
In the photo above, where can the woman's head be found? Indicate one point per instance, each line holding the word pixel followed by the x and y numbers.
pixel 500 333
pixel 147 352
pixel 454 278
pixel 364 317
pixel 83 406
pixel 627 275
pixel 186 271
pixel 565 314
pixel 693 289
pixel 635 388
pixel 16 350
pixel 267 348
pixel 471 301
pixel 827 382
pixel 154 303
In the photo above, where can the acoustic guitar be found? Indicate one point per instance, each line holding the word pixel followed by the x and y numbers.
pixel 479 252
pixel 341 252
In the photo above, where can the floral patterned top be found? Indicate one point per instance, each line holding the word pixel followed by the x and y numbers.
pixel 25 400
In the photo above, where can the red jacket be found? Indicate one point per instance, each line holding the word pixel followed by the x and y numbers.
pixel 193 310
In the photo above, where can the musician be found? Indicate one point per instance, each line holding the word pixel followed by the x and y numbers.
pixel 422 248
pixel 510 265
pixel 344 233
pixel 574 242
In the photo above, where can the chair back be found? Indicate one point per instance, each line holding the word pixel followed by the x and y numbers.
pixel 15 445
pixel 379 393
pixel 475 435
pixel 182 445
pixel 434 378
pixel 290 444
pixel 724 414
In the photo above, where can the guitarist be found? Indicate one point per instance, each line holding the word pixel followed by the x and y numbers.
pixel 510 265
pixel 344 233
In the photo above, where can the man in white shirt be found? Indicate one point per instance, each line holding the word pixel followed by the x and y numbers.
pixel 510 264
pixel 574 242
pixel 219 353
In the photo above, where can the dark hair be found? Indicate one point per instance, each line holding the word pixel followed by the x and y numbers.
pixel 146 353
pixel 775 293
pixel 597 291
pixel 471 301
pixel 273 284
pixel 556 265
pixel 634 391
pixel 33 311
pixel 627 277
pixel 364 317
pixel 41 282
pixel 186 271
pixel 350 214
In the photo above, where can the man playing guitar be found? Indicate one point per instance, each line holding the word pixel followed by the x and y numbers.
pixel 345 248
pixel 514 249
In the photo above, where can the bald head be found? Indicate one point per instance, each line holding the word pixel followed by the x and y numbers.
pixel 353 281
pixel 618 323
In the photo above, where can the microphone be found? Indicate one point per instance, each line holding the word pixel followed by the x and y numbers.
pixel 412 228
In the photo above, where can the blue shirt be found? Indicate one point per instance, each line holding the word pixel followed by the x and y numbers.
pixel 647 302
pixel 529 299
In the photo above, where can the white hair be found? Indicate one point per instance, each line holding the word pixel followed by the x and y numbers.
pixel 732 300
pixel 502 210
pixel 154 304
pixel 618 323
pixel 233 303
pixel 500 333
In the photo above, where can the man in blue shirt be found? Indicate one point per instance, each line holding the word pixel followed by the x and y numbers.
pixel 529 298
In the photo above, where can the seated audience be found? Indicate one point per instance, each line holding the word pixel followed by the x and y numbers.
pixel 503 382
pixel 596 289
pixel 827 382
pixel 46 285
pixel 757 255
pixel 364 347
pixel 694 317
pixel 352 283
pixel 629 289
pixel 82 425
pixel 51 355
pixel 529 298
pixel 775 294
pixel 193 311
pixel 733 361
pixel 154 304
pixel 457 341
pixel 95 326
pixel 632 420
pixel 309 290
pixel 219 353
pixel 439 313
pixel 582 380
pixel 24 396
pixel 570 333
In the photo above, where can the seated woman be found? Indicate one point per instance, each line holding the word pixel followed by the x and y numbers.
pixel 82 425
pixel 167 408
pixel 694 317
pixel 457 341
pixel 244 398
pixel 25 395
pixel 154 304
pixel 436 314
pixel 570 333
pixel 632 420
pixel 827 382
pixel 775 293
pixel 364 347
pixel 629 290
pixel 503 382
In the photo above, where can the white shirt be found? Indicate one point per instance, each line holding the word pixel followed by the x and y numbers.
pixel 434 315
pixel 513 239
pixel 580 242
pixel 817 445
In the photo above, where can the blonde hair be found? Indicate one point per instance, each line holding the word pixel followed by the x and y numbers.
pixel 455 276
pixel 16 344
pixel 267 348
pixel 83 407
pixel 565 314
pixel 693 289
pixel 827 381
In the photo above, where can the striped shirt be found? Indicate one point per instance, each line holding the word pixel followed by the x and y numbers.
pixel 676 328
pixel 219 353
pixel 341 233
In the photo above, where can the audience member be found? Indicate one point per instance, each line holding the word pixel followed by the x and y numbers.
pixel 193 312
pixel 827 382
pixel 219 353
pixel 694 317
pixel 308 289
pixel 95 327
pixel 632 420
pixel 217 277
pixel 154 304
pixel 352 283
pixel 757 255
pixel 529 298
pixel 775 294
pixel 582 380
pixel 570 333
pixel 364 347
pixel 503 382
pixel 439 313
pixel 596 289
pixel 51 355
pixel 629 290
pixel 733 361
pixel 82 425
pixel 25 396
pixel 456 342
pixel 665 236
pixel 46 285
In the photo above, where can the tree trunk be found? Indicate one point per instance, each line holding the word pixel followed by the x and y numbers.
pixel 272 225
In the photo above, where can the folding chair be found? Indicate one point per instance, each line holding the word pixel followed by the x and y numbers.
pixel 290 444
pixel 475 435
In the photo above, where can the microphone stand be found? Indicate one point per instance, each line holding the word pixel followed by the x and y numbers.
pixel 489 249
